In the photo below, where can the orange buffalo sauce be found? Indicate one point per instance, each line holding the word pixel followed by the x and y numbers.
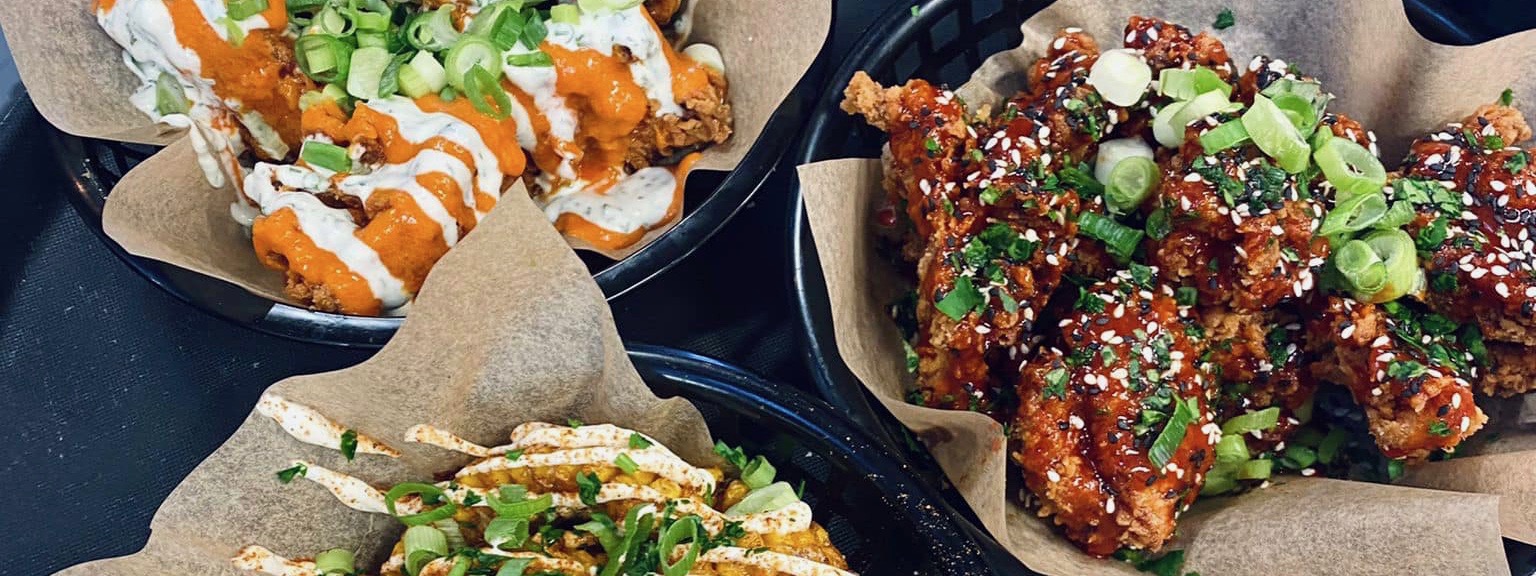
pixel 574 226
pixel 261 73
pixel 608 105
pixel 281 244
pixel 408 242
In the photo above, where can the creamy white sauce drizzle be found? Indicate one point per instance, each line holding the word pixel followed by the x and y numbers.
pixel 259 559
pixel 662 464
pixel 632 29
pixel 638 201
pixel 418 126
pixel 311 427
pixel 350 491
pixel 774 562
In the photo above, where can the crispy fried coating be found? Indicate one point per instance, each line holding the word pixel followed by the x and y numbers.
pixel 1091 411
pixel 1511 370
pixel 1169 45
pixel 1256 358
pixel 1412 384
pixel 1240 230
pixel 1476 199
pixel 706 120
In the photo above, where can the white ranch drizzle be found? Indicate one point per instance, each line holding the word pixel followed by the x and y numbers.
pixel 331 229
pixel 418 126
pixel 665 465
pixel 631 28
pixel 311 427
pixel 774 562
pixel 639 200
pixel 546 435
pixel 259 559
pixel 349 490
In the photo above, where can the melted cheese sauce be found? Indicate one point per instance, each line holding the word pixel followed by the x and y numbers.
pixel 440 168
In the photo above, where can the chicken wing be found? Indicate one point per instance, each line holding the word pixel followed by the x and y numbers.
pixel 1092 429
pixel 1256 357
pixel 1406 369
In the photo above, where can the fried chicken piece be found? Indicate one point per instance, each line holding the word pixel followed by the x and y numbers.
pixel 1511 370
pixel 1169 45
pixel 1240 231
pixel 1406 372
pixel 1477 202
pixel 1256 357
pixel 706 120
pixel 929 136
pixel 1090 414
pixel 1072 116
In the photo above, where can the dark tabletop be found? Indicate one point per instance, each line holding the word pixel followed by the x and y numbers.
pixel 111 391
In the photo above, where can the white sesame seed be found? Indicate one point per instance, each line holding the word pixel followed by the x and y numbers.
pixel 1052 475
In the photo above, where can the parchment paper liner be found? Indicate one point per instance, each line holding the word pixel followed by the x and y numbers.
pixel 498 337
pixel 1385 75
pixel 163 209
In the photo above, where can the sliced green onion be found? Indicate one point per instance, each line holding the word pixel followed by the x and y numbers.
pixel 1220 480
pixel 432 30
pixel 169 97
pixel 1399 215
pixel 423 75
pixel 637 531
pixel 505 533
pixel 324 58
pixel 1111 152
pixel 365 79
pixel 450 529
pixel 758 473
pixel 1299 110
pixel 423 544
pixel 1361 267
pixel 1181 84
pixel 460 566
pixel 1131 181
pixel 1164 130
pixel 565 14
pixel 490 18
pixel 467 53
pixel 766 499
pixel 424 490
pixel 1350 168
pixel 1254 470
pixel 300 12
pixel 486 94
pixel 533 31
pixel 1273 132
pixel 685 529
pixel 1229 134
pixel 339 94
pixel 1353 214
pixel 1121 76
pixel 1206 104
pixel 1298 457
pixel 372 39
pixel 514 567
pixel 607 5
pixel 242 9
pixel 1259 420
pixel 602 527
pixel 1328 449
pixel 326 155
pixel 1310 91
pixel 335 562
pixel 370 21
pixel 538 59
pixel 1232 449
pixel 1119 238
pixel 1186 411
pixel 335 22
pixel 510 502
pixel 233 30
pixel 625 463
pixel 1396 250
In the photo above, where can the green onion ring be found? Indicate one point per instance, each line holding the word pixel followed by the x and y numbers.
pixel 1273 132
pixel 1130 182
pixel 1396 250
pixel 684 529
pixel 1361 267
pixel 1229 134
pixel 428 517
pixel 1180 84
pixel 1353 214
pixel 1350 168
pixel 506 506
pixel 335 562
pixel 766 499
pixel 483 91
pixel 758 473
pixel 1257 420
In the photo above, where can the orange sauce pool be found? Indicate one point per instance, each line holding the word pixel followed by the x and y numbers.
pixel 281 244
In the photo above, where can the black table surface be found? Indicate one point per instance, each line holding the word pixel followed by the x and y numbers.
pixel 111 391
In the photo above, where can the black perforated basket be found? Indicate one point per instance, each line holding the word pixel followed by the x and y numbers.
pixel 711 199
pixel 944 41
pixel 884 518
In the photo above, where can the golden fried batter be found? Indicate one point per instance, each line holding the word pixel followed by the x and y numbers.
pixel 1256 357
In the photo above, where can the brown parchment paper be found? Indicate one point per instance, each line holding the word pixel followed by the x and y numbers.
pixel 497 337
pixel 1397 84
pixel 76 76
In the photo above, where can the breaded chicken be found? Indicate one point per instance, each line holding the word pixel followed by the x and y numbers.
pixel 1256 359
pixel 1405 369
pixel 1476 201
pixel 706 120
pixel 1169 45
pixel 1511 370
pixel 1092 411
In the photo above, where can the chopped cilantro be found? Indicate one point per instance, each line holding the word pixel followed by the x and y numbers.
pixel 587 486
pixel 1224 19
pixel 1186 296
pixel 574 423
pixel 931 145
pixel 287 475
pixel 1055 384
pixel 1089 302
pixel 513 455
pixel 1507 97
pixel 1442 282
pixel 960 301
pixel 1439 428
pixel 911 359
pixel 1141 274
pixel 990 195
pixel 349 444
pixel 1432 236
pixel 472 499
pixel 638 442
pixel 1404 369
pixel 1158 226
pixel 1009 304
pixel 1518 161
pixel 735 456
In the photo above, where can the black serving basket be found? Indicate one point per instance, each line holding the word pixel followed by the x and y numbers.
pixel 944 41
pixel 711 199
pixel 878 511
